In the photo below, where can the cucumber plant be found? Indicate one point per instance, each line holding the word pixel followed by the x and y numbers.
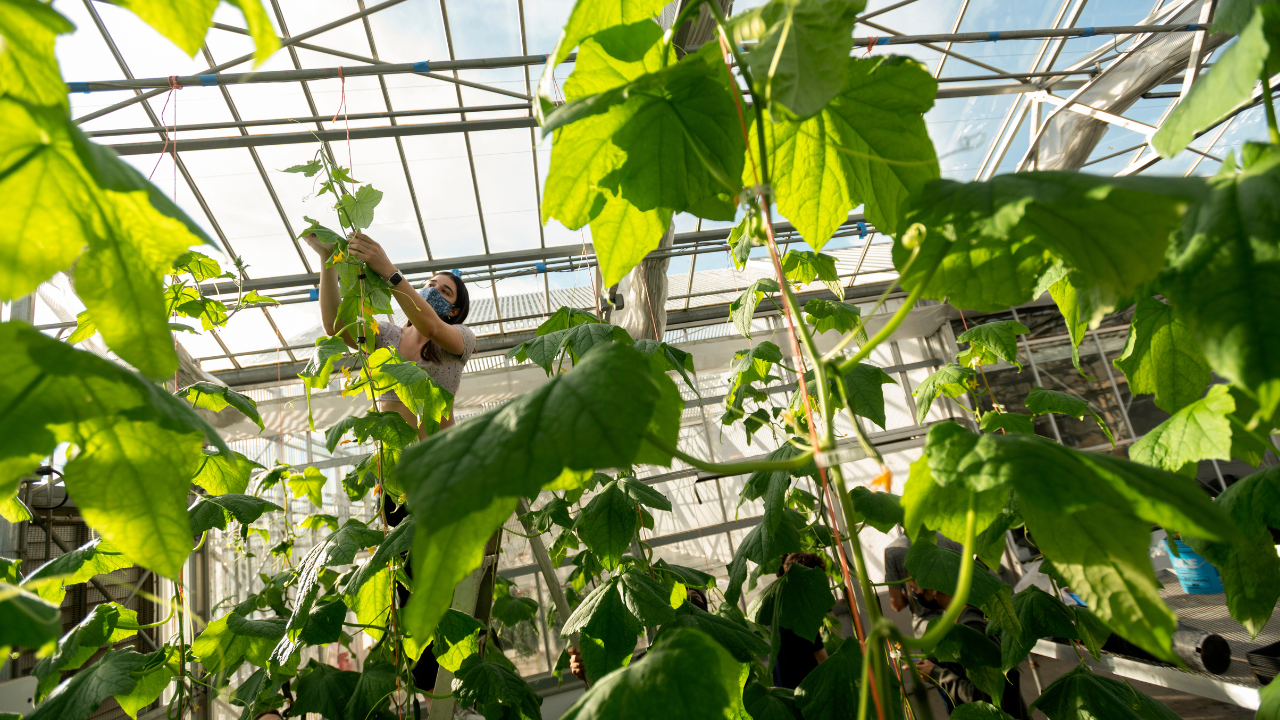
pixel 648 130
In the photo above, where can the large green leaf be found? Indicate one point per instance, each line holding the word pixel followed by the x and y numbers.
pixel 935 568
pixel 608 524
pixel 545 350
pixel 867 146
pixel 951 380
pixel 96 557
pixel 687 676
pixel 801 54
pixel 805 266
pixel 325 691
pixel 864 386
pixel 1162 358
pixel 798 600
pixel 770 703
pixel 131 482
pixel 827 315
pixel 991 241
pixel 1225 276
pixel 496 689
pixel 339 548
pixel 674 142
pixel 214 398
pixel 1250 569
pixel 1042 616
pixel 232 639
pixel 1041 401
pixel 463 484
pixel 100 627
pixel 993 340
pixel 744 645
pixel 26 620
pixel 603 617
pixel 1008 422
pixel 880 510
pixel 81 694
pixel 624 234
pixel 397 542
pixel 1199 431
pixel 309 484
pixel 1236 73
pixel 591 16
pixel 356 211
pixel 186 21
pixel 413 386
pixel 60 209
pixel 28 68
pixel 216 511
pixel 743 309
pixel 223 474
pixel 830 692
pixel 1082 695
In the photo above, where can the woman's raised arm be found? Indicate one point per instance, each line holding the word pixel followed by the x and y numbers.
pixel 420 314
pixel 330 295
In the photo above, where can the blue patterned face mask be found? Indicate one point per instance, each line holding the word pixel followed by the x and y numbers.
pixel 438 302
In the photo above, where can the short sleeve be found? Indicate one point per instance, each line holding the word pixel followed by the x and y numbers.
pixel 468 342
pixel 388 335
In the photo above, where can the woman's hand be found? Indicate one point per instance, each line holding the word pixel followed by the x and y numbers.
pixel 924 666
pixel 365 248
pixel 323 249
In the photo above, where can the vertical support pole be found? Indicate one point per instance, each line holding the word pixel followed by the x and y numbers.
pixel 1106 363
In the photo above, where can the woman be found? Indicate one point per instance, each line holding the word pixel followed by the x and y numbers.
pixel 434 336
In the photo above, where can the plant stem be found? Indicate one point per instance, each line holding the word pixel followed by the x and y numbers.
pixel 888 329
pixel 736 468
pixel 963 584
pixel 1271 109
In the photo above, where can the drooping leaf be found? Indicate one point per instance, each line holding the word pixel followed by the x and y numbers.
pixel 214 398
pixel 864 386
pixel 82 642
pixel 1250 569
pixel 318 521
pixel 770 703
pixel 867 146
pixel 1041 401
pixel 232 638
pixel 1082 694
pixel 26 620
pixel 496 689
pixel 1225 274
pixel 744 645
pixel 564 318
pixel 1161 357
pixel 1092 631
pixel 830 692
pixel 591 16
pixel 991 242
pixel 159 668
pixel 827 315
pixel 1238 69
pixel 224 474
pixel 1042 616
pixel 590 417
pixel 81 694
pixel 215 511
pixel 96 557
pixel 881 510
pixel 804 266
pixel 993 340
pixel 625 234
pixel 743 309
pixel 608 524
pixel 130 244
pixel 951 380
pixel 576 341
pixel 28 68
pixel 935 568
pixel 265 42
pixel 324 690
pixel 1199 431
pixel 457 638
pixel 800 59
pixel 1008 422
pixel 685 677
pixel 799 600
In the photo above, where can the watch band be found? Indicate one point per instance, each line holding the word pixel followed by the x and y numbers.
pixel 395 279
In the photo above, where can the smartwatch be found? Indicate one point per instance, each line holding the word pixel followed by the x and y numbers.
pixel 395 279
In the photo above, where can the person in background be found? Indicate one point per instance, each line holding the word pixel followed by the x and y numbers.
pixel 696 599
pixel 896 575
pixel 797 657
pixel 952 679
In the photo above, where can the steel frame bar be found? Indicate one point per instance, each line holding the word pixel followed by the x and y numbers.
pixel 1100 55
pixel 471 163
pixel 151 115
pixel 994 35
pixel 243 58
pixel 955 28
pixel 375 61
pixel 926 41
pixel 1006 135
pixel 300 120
pixel 262 170
pixel 404 161
pixel 883 10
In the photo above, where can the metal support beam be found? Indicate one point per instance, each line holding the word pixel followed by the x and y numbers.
pixel 243 58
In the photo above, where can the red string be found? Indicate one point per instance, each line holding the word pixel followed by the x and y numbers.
pixel 871 43
pixel 342 110
pixel 173 87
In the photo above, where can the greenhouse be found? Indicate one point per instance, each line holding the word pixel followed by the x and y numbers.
pixel 634 359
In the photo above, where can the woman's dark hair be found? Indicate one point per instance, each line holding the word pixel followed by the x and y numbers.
pixel 809 560
pixel 462 303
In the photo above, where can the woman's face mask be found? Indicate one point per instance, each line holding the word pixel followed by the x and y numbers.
pixel 438 302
